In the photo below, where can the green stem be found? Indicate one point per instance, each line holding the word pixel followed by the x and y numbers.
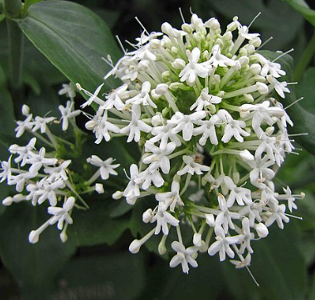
pixel 13 10
pixel 15 54
pixel 305 59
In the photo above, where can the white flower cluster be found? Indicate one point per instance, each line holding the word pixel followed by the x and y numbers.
pixel 200 104
pixel 41 176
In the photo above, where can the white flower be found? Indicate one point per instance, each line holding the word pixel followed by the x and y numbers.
pixel 27 124
pixel 132 192
pixel 106 166
pixel 143 97
pixel 41 123
pixel 242 263
pixel 239 194
pixel 159 157
pixel 185 123
pixel 221 245
pixel 116 98
pixel 101 126
pixel 6 169
pixel 45 189
pixel 192 167
pixel 163 218
pixel 135 126
pixel 277 213
pixel 183 256
pixel 233 128
pixel 22 151
pixel 67 113
pixel 280 87
pixel 193 69
pixel 218 59
pixel 38 160
pixel 261 112
pixel 92 97
pixel 62 215
pixel 246 237
pixel 163 134
pixel 260 170
pixel 151 176
pixel 172 198
pixel 224 218
pixel 68 90
pixel 205 99
pixel 59 171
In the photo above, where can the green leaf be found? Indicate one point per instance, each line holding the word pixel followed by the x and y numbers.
pixel 28 3
pixel 273 21
pixel 304 120
pixel 278 266
pixel 38 67
pixel 302 7
pixel 95 226
pixel 118 276
pixel 306 89
pixel 7 117
pixel 34 267
pixel 73 38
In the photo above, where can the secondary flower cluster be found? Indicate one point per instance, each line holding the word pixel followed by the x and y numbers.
pixel 42 176
pixel 200 104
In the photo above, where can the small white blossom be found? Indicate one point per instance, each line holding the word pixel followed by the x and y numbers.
pixel 183 256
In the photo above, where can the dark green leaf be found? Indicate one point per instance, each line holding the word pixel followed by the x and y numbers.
pixel 273 20
pixel 109 16
pixel 117 276
pixel 304 120
pixel 306 89
pixel 7 123
pixel 73 38
pixel 36 65
pixel 278 266
pixel 28 3
pixel 205 280
pixel 95 226
pixel 302 7
pixel 34 267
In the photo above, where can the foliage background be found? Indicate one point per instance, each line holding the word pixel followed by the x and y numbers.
pixel 95 263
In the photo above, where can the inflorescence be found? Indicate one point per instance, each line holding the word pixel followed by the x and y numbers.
pixel 201 104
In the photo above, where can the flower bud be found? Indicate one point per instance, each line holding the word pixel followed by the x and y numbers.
pixel 178 64
pixel 154 43
pixel 161 88
pixel 134 247
pixel 117 195
pixel 143 65
pixel 255 69
pixel 162 245
pixel 63 236
pixel 262 230
pixel 212 24
pixel 186 28
pixel 25 110
pixel 99 188
pixel 34 236
pixel 197 239
pixel 148 215
pixel 210 220
pixel 262 88
pixel 246 155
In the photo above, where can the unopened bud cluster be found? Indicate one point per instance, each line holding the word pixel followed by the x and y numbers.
pixel 200 103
